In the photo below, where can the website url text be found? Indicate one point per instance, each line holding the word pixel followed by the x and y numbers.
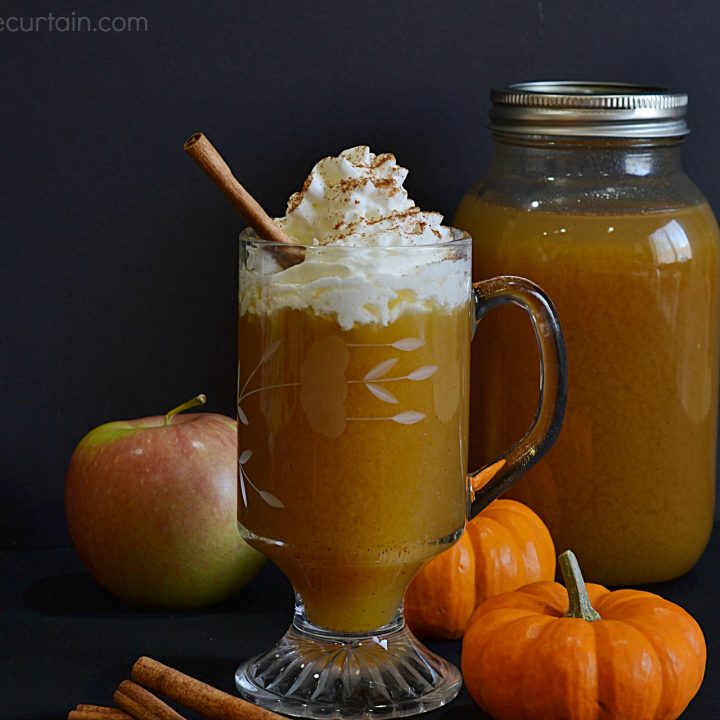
pixel 72 24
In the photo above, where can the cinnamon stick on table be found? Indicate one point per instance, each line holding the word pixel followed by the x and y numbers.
pixel 196 695
pixel 97 712
pixel 142 704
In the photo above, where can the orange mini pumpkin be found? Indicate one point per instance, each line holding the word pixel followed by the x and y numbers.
pixel 584 653
pixel 505 546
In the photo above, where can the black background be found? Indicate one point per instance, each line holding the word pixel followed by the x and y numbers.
pixel 118 257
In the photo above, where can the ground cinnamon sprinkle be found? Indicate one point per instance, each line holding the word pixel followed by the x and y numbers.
pixel 294 201
pixel 347 185
pixel 396 216
pixel 382 158
pixel 387 184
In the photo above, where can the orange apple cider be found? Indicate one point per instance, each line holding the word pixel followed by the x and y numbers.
pixel 352 447
pixel 636 292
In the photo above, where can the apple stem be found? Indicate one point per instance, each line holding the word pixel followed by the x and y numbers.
pixel 200 399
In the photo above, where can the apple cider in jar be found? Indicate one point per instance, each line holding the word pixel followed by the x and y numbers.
pixel 586 197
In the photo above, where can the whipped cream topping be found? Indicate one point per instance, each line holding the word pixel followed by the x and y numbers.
pixel 360 286
pixel 358 199
pixel 364 261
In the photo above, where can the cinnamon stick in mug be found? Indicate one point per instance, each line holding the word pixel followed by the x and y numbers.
pixel 203 152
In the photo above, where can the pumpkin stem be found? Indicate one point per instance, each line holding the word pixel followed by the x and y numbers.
pixel 580 606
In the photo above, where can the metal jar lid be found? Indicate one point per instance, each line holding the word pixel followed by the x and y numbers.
pixel 589 109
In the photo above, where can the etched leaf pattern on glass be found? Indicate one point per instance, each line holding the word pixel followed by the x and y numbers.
pixel 381 369
pixel 408 344
pixel 243 478
pixel 381 393
pixel 323 391
pixel 379 374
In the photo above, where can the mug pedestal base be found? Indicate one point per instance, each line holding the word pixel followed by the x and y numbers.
pixel 314 674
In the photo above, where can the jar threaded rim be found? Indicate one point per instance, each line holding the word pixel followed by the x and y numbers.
pixel 589 109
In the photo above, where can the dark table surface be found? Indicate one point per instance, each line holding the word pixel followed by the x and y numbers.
pixel 64 640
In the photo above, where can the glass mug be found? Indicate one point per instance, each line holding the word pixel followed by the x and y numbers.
pixel 353 406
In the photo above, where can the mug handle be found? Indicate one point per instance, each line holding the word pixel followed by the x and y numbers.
pixel 497 476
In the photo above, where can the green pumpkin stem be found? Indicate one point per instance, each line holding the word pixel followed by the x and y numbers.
pixel 194 402
pixel 580 606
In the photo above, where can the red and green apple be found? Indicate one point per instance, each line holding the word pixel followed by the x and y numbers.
pixel 151 508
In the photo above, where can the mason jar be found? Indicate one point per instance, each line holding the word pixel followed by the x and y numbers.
pixel 587 197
